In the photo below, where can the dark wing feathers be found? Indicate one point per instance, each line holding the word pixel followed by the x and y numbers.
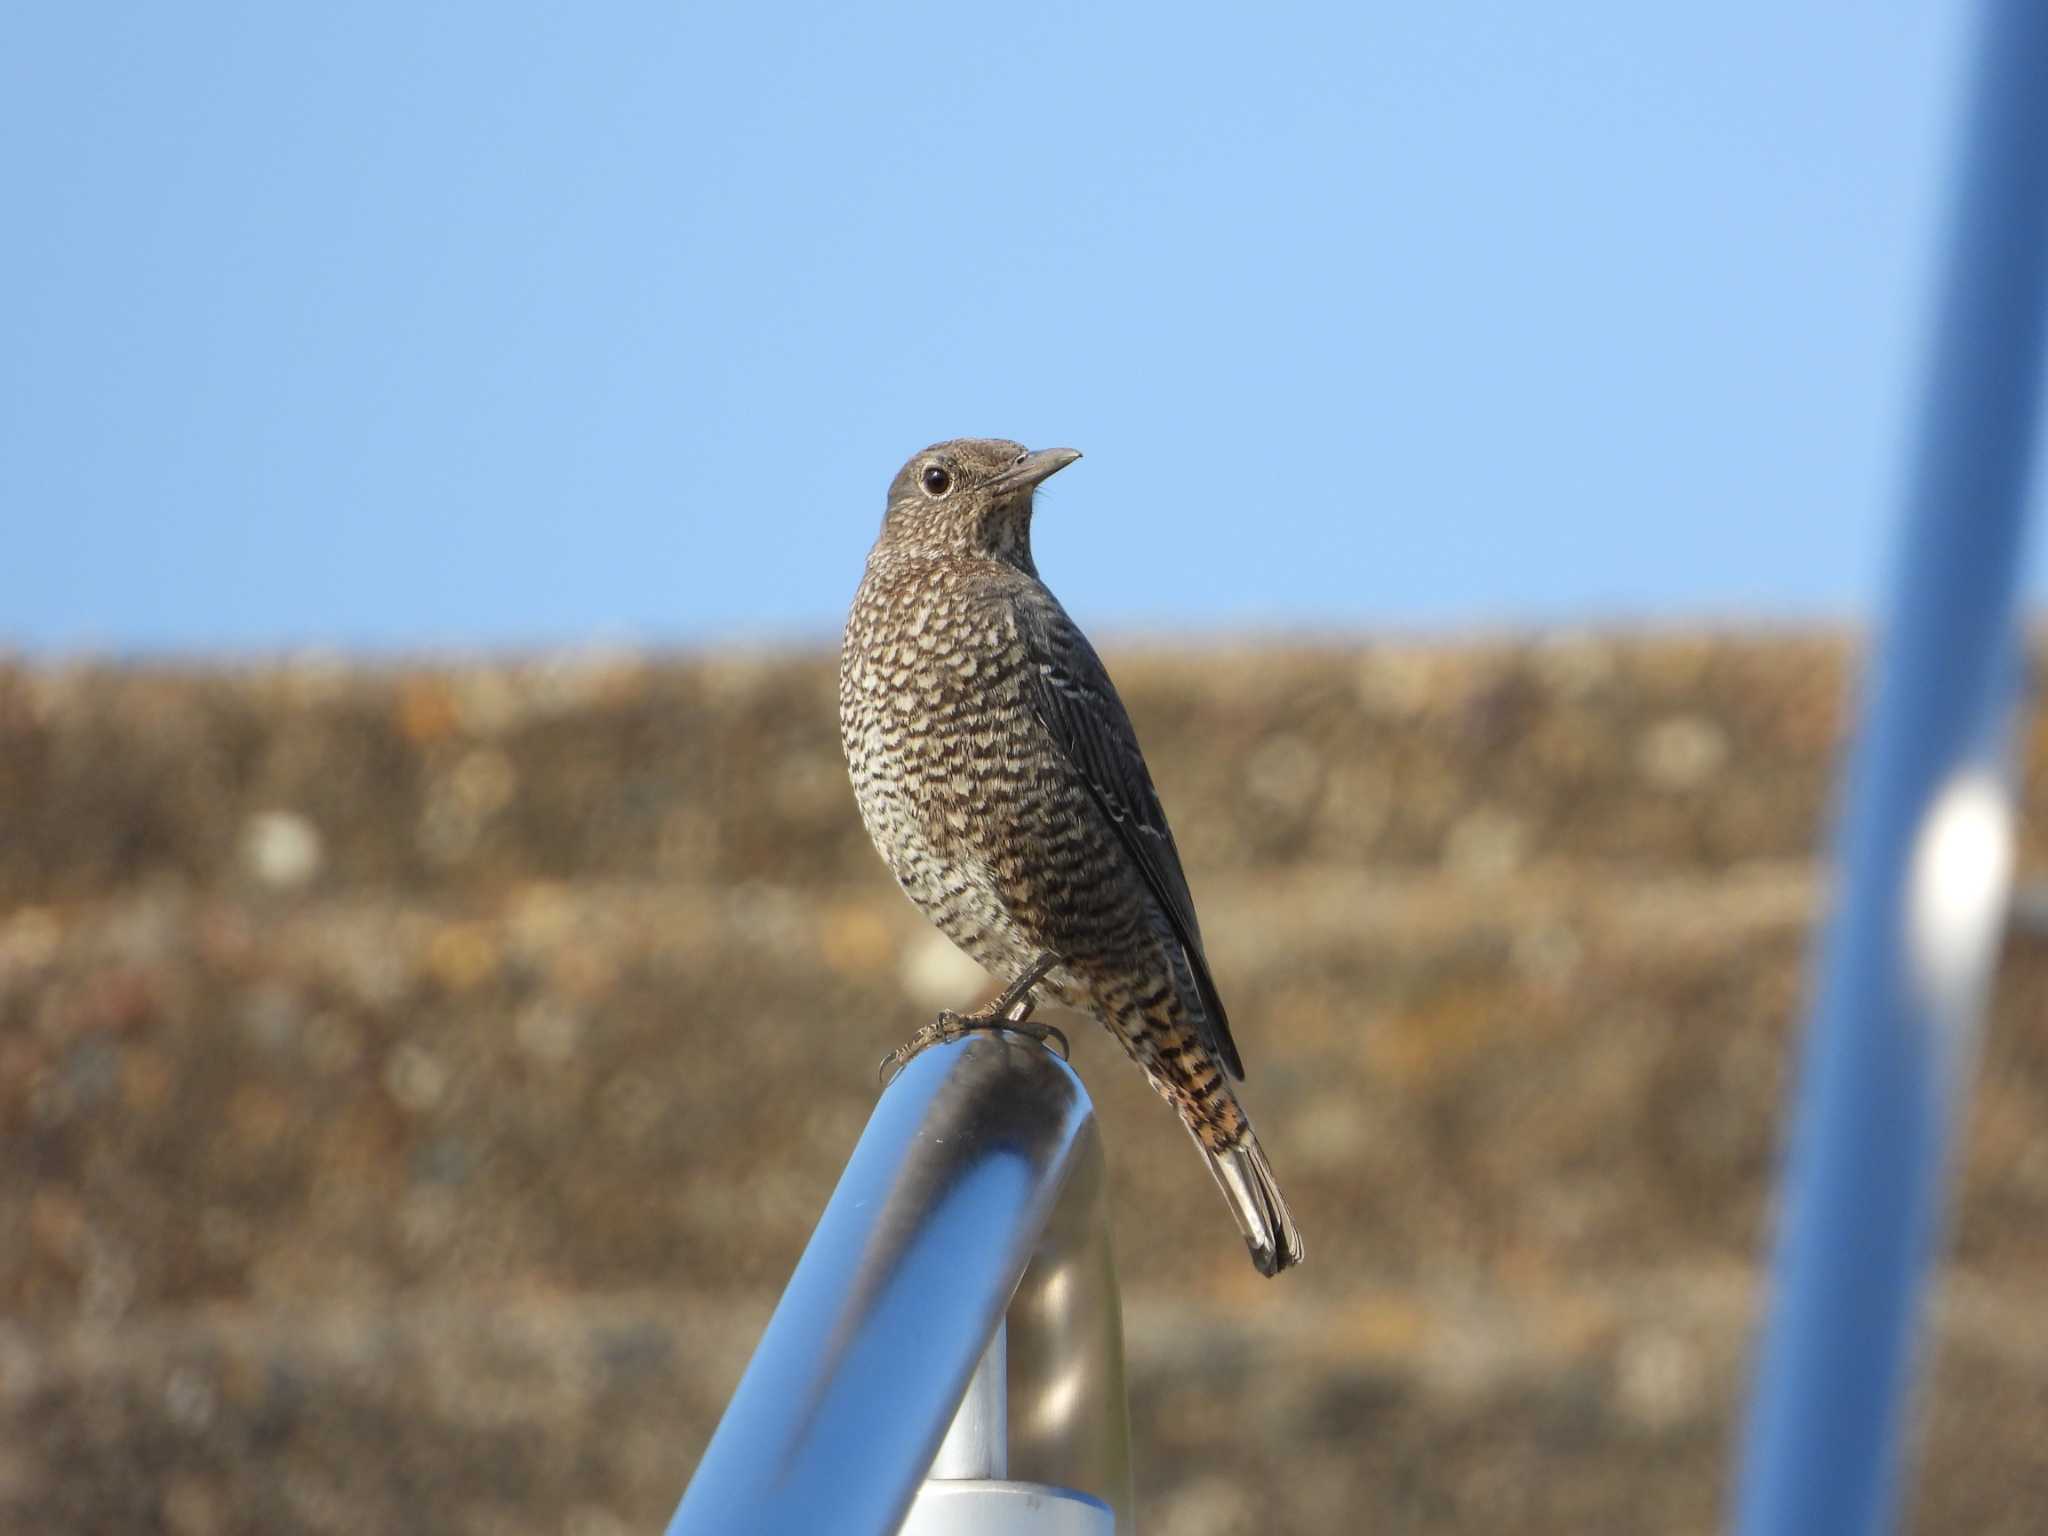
pixel 1078 705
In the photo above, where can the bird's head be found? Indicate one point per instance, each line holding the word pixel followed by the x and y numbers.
pixel 971 496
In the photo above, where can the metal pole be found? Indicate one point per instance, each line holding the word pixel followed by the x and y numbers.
pixel 980 1167
pixel 1924 859
pixel 977 1443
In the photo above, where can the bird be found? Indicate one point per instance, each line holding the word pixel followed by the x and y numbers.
pixel 1000 779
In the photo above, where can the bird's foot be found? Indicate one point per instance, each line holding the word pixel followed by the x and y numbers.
pixel 1011 1011
pixel 1015 1005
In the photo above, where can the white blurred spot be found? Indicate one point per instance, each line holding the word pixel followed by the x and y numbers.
pixel 936 975
pixel 414 1079
pixel 282 849
pixel 190 1399
pixel 1284 772
pixel 1682 752
pixel 1955 904
pixel 1658 1378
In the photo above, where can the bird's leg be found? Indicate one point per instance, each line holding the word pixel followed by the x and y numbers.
pixel 1015 1004
pixel 1011 1011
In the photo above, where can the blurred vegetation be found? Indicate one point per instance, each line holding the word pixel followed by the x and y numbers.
pixel 416 1084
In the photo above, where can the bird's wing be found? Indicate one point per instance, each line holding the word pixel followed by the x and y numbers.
pixel 1075 701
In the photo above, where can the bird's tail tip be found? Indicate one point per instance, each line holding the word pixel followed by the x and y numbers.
pixel 1254 1198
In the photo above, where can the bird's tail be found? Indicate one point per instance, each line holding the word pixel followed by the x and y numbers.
pixel 1188 1073
pixel 1246 1179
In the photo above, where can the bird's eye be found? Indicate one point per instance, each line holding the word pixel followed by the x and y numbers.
pixel 937 480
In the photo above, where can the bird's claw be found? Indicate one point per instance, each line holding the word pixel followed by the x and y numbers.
pixel 938 1032
pixel 1045 1035
pixel 950 1026
pixel 1011 1011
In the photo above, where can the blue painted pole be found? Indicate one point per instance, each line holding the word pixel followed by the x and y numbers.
pixel 1924 858
pixel 981 1158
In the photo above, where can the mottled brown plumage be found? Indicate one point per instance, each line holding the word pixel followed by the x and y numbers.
pixel 999 776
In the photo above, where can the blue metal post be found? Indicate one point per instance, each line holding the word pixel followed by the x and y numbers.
pixel 1924 857
pixel 981 1159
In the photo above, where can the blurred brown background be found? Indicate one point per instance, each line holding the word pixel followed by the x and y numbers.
pixel 417 1083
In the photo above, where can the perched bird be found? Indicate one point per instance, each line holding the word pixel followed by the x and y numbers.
pixel 999 777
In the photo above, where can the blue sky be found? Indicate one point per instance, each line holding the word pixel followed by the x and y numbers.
pixel 512 324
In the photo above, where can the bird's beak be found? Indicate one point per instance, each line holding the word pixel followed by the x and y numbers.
pixel 1032 468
